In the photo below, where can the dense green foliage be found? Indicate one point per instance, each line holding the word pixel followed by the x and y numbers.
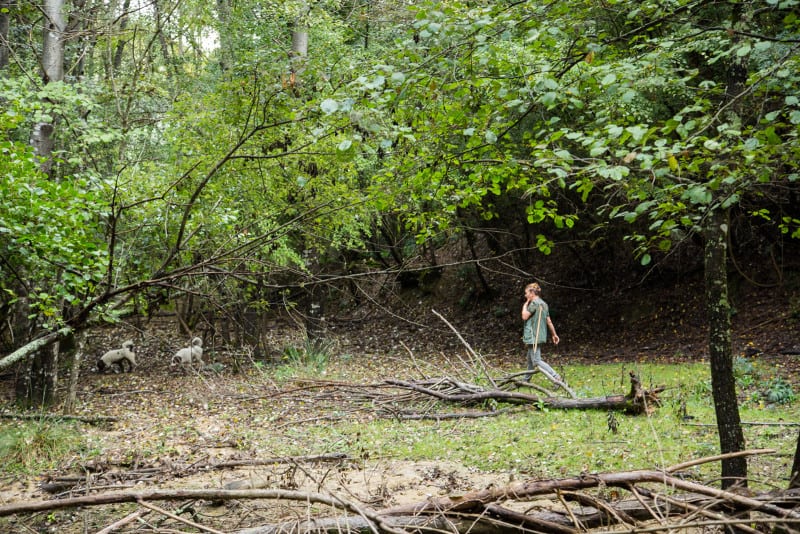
pixel 400 125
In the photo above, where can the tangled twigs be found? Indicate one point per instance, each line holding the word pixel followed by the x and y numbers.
pixel 654 491
pixel 124 521
pixel 477 360
pixel 99 477
pixel 169 514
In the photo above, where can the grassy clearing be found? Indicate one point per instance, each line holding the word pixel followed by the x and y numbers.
pixel 529 442
pixel 547 443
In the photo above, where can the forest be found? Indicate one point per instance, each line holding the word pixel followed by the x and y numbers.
pixel 220 170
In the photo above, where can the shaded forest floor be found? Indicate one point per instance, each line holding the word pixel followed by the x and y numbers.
pixel 173 427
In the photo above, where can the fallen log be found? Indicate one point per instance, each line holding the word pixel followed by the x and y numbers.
pixel 93 473
pixel 91 419
pixel 33 346
pixel 636 401
pixel 172 495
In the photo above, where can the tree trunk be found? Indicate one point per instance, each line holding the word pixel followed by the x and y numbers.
pixel 42 137
pixel 315 310
pixel 225 35
pixel 36 386
pixel 119 50
pixel 723 384
pixel 794 479
pixel 297 56
pixel 78 25
pixel 4 18
pixel 315 301
pixel 69 402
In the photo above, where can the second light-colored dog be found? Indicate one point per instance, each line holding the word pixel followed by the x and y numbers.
pixel 190 354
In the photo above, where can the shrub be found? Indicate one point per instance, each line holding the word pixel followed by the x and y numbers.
pixel 778 391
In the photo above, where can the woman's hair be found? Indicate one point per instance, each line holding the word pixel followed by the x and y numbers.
pixel 537 289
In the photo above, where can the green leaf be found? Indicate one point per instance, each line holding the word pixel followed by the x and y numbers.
pixel 609 78
pixel 329 106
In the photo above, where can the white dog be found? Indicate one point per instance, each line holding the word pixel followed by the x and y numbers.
pixel 190 354
pixel 118 357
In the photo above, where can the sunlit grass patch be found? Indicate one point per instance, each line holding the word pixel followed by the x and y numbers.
pixel 543 442
pixel 28 447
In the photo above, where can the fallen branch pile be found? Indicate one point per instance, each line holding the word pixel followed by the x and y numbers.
pixel 637 400
pixel 659 500
pixel 424 398
pixel 99 476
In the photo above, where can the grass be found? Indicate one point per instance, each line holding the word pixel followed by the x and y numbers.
pixel 534 441
pixel 552 443
pixel 31 447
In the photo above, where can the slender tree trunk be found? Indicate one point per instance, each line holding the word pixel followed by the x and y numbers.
pixel 315 312
pixel 163 38
pixel 225 36
pixel 297 56
pixel 52 71
pixel 5 6
pixel 39 385
pixel 69 402
pixel 470 236
pixel 78 25
pixel 723 384
pixel 119 50
pixel 794 479
pixel 731 437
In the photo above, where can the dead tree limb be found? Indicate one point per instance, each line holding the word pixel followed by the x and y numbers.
pixel 475 357
pixel 172 495
pixel 332 457
pixel 415 416
pixel 178 518
pixel 475 502
pixel 93 420
pixel 407 524
pixel 94 472
pixel 33 346
pixel 636 401
pixel 116 525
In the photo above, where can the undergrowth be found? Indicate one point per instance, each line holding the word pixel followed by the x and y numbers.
pixel 30 447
